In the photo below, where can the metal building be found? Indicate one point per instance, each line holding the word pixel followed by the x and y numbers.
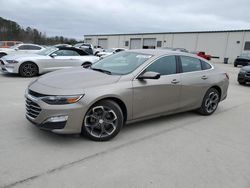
pixel 220 44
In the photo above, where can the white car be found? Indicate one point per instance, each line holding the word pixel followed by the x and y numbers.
pixel 49 59
pixel 108 52
pixel 20 48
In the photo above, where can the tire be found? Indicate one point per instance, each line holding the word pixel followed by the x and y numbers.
pixel 103 121
pixel 28 69
pixel 210 102
pixel 2 54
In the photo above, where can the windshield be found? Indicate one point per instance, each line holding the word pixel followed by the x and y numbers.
pixel 15 46
pixel 78 45
pixel 122 63
pixel 47 51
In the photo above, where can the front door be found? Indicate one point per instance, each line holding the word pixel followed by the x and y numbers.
pixel 152 97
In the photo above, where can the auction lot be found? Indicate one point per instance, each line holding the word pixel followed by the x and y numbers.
pixel 184 150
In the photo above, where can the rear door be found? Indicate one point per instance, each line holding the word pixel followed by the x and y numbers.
pixel 194 81
pixel 158 96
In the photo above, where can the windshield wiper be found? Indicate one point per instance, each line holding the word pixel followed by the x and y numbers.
pixel 101 70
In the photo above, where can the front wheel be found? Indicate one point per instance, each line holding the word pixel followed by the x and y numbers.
pixel 210 102
pixel 103 121
pixel 28 69
pixel 242 83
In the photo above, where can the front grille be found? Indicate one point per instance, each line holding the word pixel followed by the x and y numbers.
pixel 32 108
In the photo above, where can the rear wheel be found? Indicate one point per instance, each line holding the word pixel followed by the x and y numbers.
pixel 210 102
pixel 28 69
pixel 103 121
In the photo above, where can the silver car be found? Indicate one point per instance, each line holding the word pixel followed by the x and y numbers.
pixel 126 87
pixel 20 48
pixel 47 60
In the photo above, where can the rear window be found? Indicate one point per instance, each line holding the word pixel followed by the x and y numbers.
pixel 205 65
pixel 190 64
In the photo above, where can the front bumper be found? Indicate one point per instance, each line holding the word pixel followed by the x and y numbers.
pixel 73 113
pixel 7 67
pixel 244 77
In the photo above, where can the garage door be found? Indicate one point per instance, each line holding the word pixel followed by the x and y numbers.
pixel 88 40
pixel 135 43
pixel 103 43
pixel 149 43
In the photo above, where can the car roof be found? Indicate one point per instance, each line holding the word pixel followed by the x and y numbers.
pixel 159 52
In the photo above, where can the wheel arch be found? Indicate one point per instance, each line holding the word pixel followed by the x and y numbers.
pixel 117 100
pixel 218 89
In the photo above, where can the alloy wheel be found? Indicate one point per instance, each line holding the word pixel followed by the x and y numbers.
pixel 101 121
pixel 29 69
pixel 211 102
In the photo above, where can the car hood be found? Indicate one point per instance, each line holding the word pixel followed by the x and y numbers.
pixel 246 68
pixel 6 49
pixel 71 81
pixel 243 57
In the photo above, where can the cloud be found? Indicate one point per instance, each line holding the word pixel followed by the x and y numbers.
pixel 78 17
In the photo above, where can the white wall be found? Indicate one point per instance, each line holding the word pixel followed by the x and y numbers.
pixel 221 44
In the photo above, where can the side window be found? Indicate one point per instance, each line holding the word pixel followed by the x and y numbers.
pixel 66 53
pixel 205 65
pixel 32 47
pixel 190 64
pixel 24 47
pixel 164 66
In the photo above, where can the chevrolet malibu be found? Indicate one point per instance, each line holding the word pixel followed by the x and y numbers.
pixel 126 87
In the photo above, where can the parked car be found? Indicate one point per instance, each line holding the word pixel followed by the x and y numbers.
pixel 86 47
pixel 21 48
pixel 243 59
pixel 8 44
pixel 123 88
pixel 97 49
pixel 110 51
pixel 49 59
pixel 244 75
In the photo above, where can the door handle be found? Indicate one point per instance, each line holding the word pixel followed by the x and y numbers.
pixel 204 77
pixel 175 81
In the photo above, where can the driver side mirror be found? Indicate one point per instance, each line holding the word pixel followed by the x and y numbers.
pixel 53 55
pixel 149 75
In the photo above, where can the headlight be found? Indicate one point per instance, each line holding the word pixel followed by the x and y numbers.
pixel 12 61
pixel 58 100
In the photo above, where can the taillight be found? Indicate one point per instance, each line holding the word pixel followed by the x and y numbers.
pixel 227 76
